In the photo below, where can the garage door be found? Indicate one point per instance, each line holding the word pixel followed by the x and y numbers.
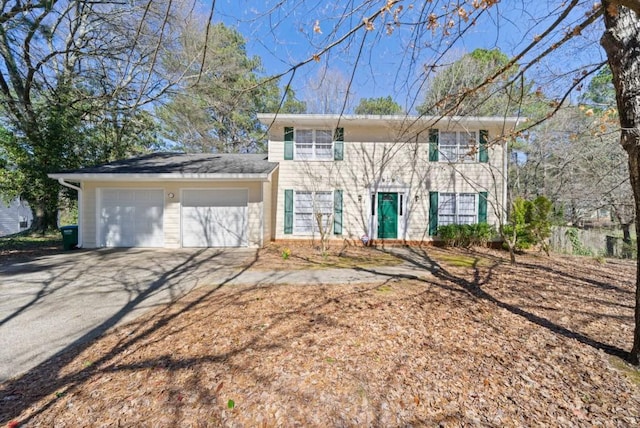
pixel 214 218
pixel 131 218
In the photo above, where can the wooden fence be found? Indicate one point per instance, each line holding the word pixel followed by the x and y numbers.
pixel 593 242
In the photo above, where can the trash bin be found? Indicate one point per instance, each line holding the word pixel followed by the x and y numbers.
pixel 69 236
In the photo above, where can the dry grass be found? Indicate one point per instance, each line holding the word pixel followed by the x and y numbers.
pixel 479 343
pixel 304 256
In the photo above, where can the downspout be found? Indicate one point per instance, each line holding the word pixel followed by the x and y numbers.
pixel 505 188
pixel 79 190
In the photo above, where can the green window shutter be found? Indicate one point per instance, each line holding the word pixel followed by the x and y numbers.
pixel 433 145
pixel 337 212
pixel 288 211
pixel 482 207
pixel 484 152
pixel 338 144
pixel 288 143
pixel 433 213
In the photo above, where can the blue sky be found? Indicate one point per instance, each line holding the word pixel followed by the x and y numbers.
pixel 392 64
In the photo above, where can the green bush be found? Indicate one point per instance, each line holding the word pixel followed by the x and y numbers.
pixel 466 235
pixel 529 223
pixel 577 247
pixel 524 240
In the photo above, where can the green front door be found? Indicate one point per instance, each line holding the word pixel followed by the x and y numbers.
pixel 387 215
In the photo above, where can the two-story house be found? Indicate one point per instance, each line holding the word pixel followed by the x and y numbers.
pixel 349 177
pixel 386 177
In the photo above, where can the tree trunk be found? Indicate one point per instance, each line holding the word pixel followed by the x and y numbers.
pixel 512 255
pixel 44 205
pixel 621 41
pixel 511 243
pixel 626 233
pixel 44 219
pixel 626 241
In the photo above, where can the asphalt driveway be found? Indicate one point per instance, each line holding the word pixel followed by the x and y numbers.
pixel 58 301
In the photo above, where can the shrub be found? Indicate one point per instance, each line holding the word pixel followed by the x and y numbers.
pixel 466 235
pixel 577 247
pixel 529 224
pixel 523 239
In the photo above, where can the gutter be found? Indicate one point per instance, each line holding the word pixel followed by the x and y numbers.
pixel 80 176
pixel 505 184
pixel 79 190
pixel 384 120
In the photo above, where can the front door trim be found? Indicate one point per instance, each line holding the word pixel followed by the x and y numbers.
pixel 388 186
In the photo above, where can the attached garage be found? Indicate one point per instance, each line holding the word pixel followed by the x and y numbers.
pixel 131 217
pixel 175 200
pixel 214 217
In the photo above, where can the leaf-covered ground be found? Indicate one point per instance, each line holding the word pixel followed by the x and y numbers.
pixel 27 245
pixel 474 342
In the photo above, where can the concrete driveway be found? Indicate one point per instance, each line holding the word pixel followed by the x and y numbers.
pixel 54 302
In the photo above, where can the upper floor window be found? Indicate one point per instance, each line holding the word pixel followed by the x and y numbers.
pixel 313 144
pixel 458 146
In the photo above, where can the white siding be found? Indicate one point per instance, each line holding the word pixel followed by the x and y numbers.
pixel 384 159
pixel 171 221
pixel 11 216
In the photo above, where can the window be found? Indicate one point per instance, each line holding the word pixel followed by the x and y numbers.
pixel 307 207
pixel 466 209
pixel 314 144
pixel 447 209
pixel 458 146
pixel 457 209
pixel 304 144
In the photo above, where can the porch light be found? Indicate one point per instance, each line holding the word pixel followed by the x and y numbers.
pixel 170 195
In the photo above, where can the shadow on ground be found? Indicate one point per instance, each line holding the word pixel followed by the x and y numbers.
pixel 475 284
pixel 481 277
pixel 17 394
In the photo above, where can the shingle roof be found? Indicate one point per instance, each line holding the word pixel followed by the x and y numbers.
pixel 184 163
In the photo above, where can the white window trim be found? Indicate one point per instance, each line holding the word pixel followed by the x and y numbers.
pixel 314 156
pixel 456 206
pixel 460 159
pixel 314 228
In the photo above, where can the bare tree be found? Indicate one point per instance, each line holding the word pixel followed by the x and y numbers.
pixel 574 160
pixel 328 92
pixel 443 89
pixel 68 67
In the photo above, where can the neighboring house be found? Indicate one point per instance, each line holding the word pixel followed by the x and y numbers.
pixel 386 177
pixel 392 178
pixel 14 217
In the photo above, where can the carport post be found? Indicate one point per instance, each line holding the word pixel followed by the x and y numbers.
pixel 79 190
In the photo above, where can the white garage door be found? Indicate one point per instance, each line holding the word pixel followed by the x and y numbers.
pixel 214 218
pixel 131 218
